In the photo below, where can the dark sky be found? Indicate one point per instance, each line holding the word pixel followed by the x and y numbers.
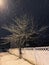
pixel 39 9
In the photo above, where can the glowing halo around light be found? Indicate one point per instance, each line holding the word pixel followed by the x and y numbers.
pixel 3 5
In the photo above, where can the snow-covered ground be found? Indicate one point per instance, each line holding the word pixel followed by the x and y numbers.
pixel 39 57
pixel 30 56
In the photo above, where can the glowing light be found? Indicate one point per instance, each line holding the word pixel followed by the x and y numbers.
pixel 3 5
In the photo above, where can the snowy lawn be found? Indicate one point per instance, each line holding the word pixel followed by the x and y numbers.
pixel 29 57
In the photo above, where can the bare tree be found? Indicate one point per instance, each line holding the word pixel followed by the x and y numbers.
pixel 21 29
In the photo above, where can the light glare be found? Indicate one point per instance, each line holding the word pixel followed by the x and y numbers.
pixel 3 5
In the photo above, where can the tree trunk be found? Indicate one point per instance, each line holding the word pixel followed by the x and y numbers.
pixel 20 53
pixel 20 50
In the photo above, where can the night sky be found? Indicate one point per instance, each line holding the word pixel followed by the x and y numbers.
pixel 39 9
